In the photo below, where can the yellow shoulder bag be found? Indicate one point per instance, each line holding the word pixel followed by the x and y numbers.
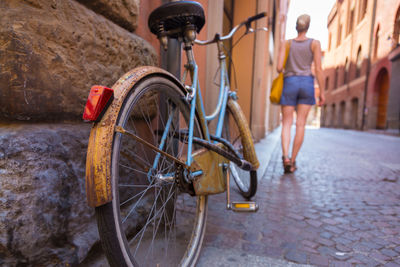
pixel 277 83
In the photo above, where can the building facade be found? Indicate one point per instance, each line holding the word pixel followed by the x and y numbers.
pixel 363 35
pixel 254 57
pixel 252 60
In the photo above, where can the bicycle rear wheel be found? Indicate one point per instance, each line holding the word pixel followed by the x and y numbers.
pixel 151 221
pixel 246 181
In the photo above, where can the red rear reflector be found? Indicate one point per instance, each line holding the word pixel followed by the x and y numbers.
pixel 100 97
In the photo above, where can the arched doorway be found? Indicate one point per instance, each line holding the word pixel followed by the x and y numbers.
pixel 354 113
pixel 382 91
pixel 342 111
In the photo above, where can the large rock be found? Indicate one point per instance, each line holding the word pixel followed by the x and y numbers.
pixel 53 51
pixel 122 12
pixel 44 217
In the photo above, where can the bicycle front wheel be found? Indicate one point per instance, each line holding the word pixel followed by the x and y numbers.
pixel 151 221
pixel 246 181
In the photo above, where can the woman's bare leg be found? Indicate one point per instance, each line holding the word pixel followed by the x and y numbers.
pixel 302 113
pixel 287 120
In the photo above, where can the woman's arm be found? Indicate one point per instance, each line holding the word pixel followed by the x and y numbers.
pixel 281 56
pixel 316 49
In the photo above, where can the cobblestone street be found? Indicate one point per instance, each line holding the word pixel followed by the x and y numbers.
pixel 340 208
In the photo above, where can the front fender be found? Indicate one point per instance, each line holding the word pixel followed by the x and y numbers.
pixel 98 158
pixel 249 151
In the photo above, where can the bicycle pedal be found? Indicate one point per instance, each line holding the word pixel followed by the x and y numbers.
pixel 244 206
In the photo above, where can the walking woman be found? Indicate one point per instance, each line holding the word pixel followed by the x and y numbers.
pixel 298 87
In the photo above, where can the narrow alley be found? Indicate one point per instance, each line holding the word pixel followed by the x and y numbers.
pixel 340 208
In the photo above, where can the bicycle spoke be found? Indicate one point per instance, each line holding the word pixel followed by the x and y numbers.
pixel 147 207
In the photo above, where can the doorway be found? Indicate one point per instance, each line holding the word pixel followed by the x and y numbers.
pixel 382 91
pixel 354 113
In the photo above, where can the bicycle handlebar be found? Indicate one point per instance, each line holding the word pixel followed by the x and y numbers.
pixel 247 23
pixel 256 17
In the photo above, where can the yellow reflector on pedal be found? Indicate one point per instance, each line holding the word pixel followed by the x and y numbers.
pixel 242 205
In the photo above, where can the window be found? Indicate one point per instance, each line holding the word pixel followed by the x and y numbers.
pixel 336 77
pixel 362 9
pixel 350 22
pixel 339 38
pixel 376 45
pixel 396 30
pixel 358 62
pixel 346 71
pixel 329 41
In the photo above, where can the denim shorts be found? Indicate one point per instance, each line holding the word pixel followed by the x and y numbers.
pixel 298 90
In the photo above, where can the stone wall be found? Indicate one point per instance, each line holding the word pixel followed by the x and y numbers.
pixel 51 53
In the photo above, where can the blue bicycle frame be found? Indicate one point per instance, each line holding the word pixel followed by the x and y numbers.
pixel 196 101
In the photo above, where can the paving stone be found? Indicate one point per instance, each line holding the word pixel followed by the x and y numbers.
pixel 309 215
pixel 308 250
pixel 366 260
pixel 351 236
pixel 296 216
pixel 342 240
pixel 395 240
pixel 326 250
pixel 330 221
pixel 325 241
pixel 343 248
pixel 334 229
pixel 274 252
pixel 309 243
pixel 340 264
pixel 248 236
pixel 319 260
pixel 389 252
pixel 314 223
pixel 392 264
pixel 296 256
pixel 326 235
pixel 379 256
pixel 372 245
pixel 346 227
pixel 361 248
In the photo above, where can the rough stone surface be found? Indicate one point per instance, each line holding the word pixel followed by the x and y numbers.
pixel 121 12
pixel 52 52
pixel 44 218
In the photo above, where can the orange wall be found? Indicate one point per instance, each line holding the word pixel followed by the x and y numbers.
pixel 142 30
pixel 243 55
pixel 200 52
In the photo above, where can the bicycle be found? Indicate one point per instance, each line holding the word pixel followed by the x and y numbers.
pixel 152 161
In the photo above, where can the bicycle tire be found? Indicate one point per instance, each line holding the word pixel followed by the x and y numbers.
pixel 162 227
pixel 246 181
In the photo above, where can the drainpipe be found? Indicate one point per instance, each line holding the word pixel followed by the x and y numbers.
pixel 371 37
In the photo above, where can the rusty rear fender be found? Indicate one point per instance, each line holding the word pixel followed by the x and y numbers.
pixel 98 158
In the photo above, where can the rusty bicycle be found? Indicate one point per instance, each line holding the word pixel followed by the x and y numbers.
pixel 152 160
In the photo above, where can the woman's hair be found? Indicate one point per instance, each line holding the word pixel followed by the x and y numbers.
pixel 302 23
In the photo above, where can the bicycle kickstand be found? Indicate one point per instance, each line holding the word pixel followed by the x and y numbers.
pixel 238 206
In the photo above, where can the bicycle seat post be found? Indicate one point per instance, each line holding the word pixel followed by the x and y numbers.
pixel 188 38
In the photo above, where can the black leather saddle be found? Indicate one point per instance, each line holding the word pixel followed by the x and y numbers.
pixel 172 18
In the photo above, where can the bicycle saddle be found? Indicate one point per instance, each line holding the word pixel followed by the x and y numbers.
pixel 172 18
